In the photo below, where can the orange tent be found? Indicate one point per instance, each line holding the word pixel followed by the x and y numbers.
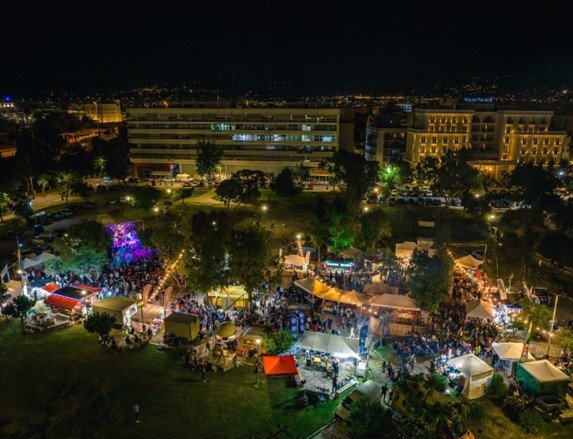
pixel 279 365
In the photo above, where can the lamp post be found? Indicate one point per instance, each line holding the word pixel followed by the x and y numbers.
pixel 156 210
pixel 552 324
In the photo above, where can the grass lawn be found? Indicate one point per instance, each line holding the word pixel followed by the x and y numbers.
pixel 496 425
pixel 174 401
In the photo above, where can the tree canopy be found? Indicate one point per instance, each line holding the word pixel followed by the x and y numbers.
pixel 249 257
pixel 284 184
pixel 208 158
pixel 144 197
pixel 429 278
pixel 238 191
pixel 357 174
pixel 100 323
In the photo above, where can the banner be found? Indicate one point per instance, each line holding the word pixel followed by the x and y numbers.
pixel 145 293
pixel 167 297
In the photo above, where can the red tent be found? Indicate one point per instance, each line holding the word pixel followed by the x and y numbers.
pixel 279 365
pixel 50 288
pixel 61 302
pixel 87 288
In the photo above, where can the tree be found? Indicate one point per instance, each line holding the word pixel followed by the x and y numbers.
pixel 249 257
pixel 82 189
pixel 426 170
pixel 335 225
pixel 368 420
pixel 169 239
pixel 454 176
pixel 536 184
pixel 20 202
pixel 278 342
pixel 357 174
pixel 100 323
pixel 208 158
pixel 4 297
pixel 429 279
pixel 477 205
pixel 207 267
pixel 497 389
pixel 20 307
pixel 144 197
pixel 44 181
pixel 284 185
pixel 565 339
pixel 230 190
pixel 116 155
pixel 390 177
pixel 374 226
pixel 4 204
pixel 537 316
pixel 181 194
pixel 99 164
pixel 65 181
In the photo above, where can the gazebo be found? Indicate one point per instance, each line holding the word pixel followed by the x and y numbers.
pixel 477 372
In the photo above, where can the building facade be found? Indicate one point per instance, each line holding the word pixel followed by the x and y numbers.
pixel 498 140
pixel 104 112
pixel 265 139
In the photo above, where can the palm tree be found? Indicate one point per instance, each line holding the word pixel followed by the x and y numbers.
pixel 4 204
pixel 99 164
pixel 65 182
pixel 44 181
pixel 19 308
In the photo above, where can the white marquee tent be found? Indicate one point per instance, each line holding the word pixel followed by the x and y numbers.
pixel 480 310
pixel 478 374
pixel 36 260
pixel 329 344
pixel 469 261
pixel 398 301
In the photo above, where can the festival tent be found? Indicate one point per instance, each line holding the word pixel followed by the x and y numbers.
pixel 351 253
pixel 148 313
pixel 233 295
pixel 311 285
pixel 480 310
pixel 277 365
pixel 469 262
pixel 477 372
pixel 295 260
pixel 182 325
pixel 510 351
pixel 541 378
pixel 119 307
pixel 61 302
pixel 398 301
pixel 353 298
pixel 327 343
pixel 333 294
pixel 406 249
pixel 36 260
pixel 380 288
pixel 14 287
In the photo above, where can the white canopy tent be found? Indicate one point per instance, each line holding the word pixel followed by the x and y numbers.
pixel 295 260
pixel 328 343
pixel 469 261
pixel 311 285
pixel 351 253
pixel 37 260
pixel 398 301
pixel 508 350
pixel 480 310
pixel 478 374
pixel 406 249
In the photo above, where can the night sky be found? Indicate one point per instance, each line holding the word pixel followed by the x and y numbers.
pixel 317 46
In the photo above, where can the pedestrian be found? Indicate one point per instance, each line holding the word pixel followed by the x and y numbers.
pixel 203 373
pixel 136 412
pixel 384 392
pixel 334 384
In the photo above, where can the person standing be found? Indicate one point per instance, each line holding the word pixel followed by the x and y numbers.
pixel 136 412
pixel 384 392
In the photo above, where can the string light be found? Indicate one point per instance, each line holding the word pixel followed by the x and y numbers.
pixel 168 273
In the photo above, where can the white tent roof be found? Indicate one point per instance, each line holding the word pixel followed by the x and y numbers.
pixel 508 350
pixel 469 261
pixel 353 298
pixel 544 371
pixel 14 287
pixel 37 260
pixel 471 365
pixel 480 310
pixel 295 260
pixel 311 285
pixel 380 288
pixel 351 253
pixel 327 343
pixel 399 301
pixel 407 245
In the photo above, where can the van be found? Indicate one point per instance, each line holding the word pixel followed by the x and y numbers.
pixel 370 390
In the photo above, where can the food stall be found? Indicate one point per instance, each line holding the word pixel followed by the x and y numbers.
pixel 279 365
pixel 253 338
pixel 121 308
pixel 472 373
pixel 150 315
pixel 509 354
pixel 182 325
pixel 231 296
pixel 479 309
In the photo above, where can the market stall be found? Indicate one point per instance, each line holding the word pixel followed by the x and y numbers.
pixel 468 262
pixel 380 288
pixel 34 261
pixel 182 325
pixel 542 378
pixel 311 286
pixel 336 345
pixel 354 298
pixel 279 365
pixel 121 308
pixel 476 374
pixel 509 354
pixel 148 315
pixel 253 338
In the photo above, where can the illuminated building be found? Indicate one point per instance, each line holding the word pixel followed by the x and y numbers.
pixel 385 140
pixel 7 148
pixel 103 112
pixel 164 140
pixel 86 135
pixel 498 140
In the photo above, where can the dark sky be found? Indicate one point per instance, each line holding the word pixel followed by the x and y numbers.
pixel 320 46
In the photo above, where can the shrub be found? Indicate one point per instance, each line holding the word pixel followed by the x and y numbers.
pixel 439 382
pixel 513 406
pixel 476 410
pixel 497 389
pixel 278 342
pixel 530 420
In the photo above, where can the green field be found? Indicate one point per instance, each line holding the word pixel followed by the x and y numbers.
pixel 174 402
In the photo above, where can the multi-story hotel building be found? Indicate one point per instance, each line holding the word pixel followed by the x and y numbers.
pixel 498 140
pixel 164 140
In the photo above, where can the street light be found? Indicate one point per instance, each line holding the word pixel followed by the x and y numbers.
pixel 366 208
pixel 168 191
pixel 299 236
pixel 264 207
pixel 156 210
